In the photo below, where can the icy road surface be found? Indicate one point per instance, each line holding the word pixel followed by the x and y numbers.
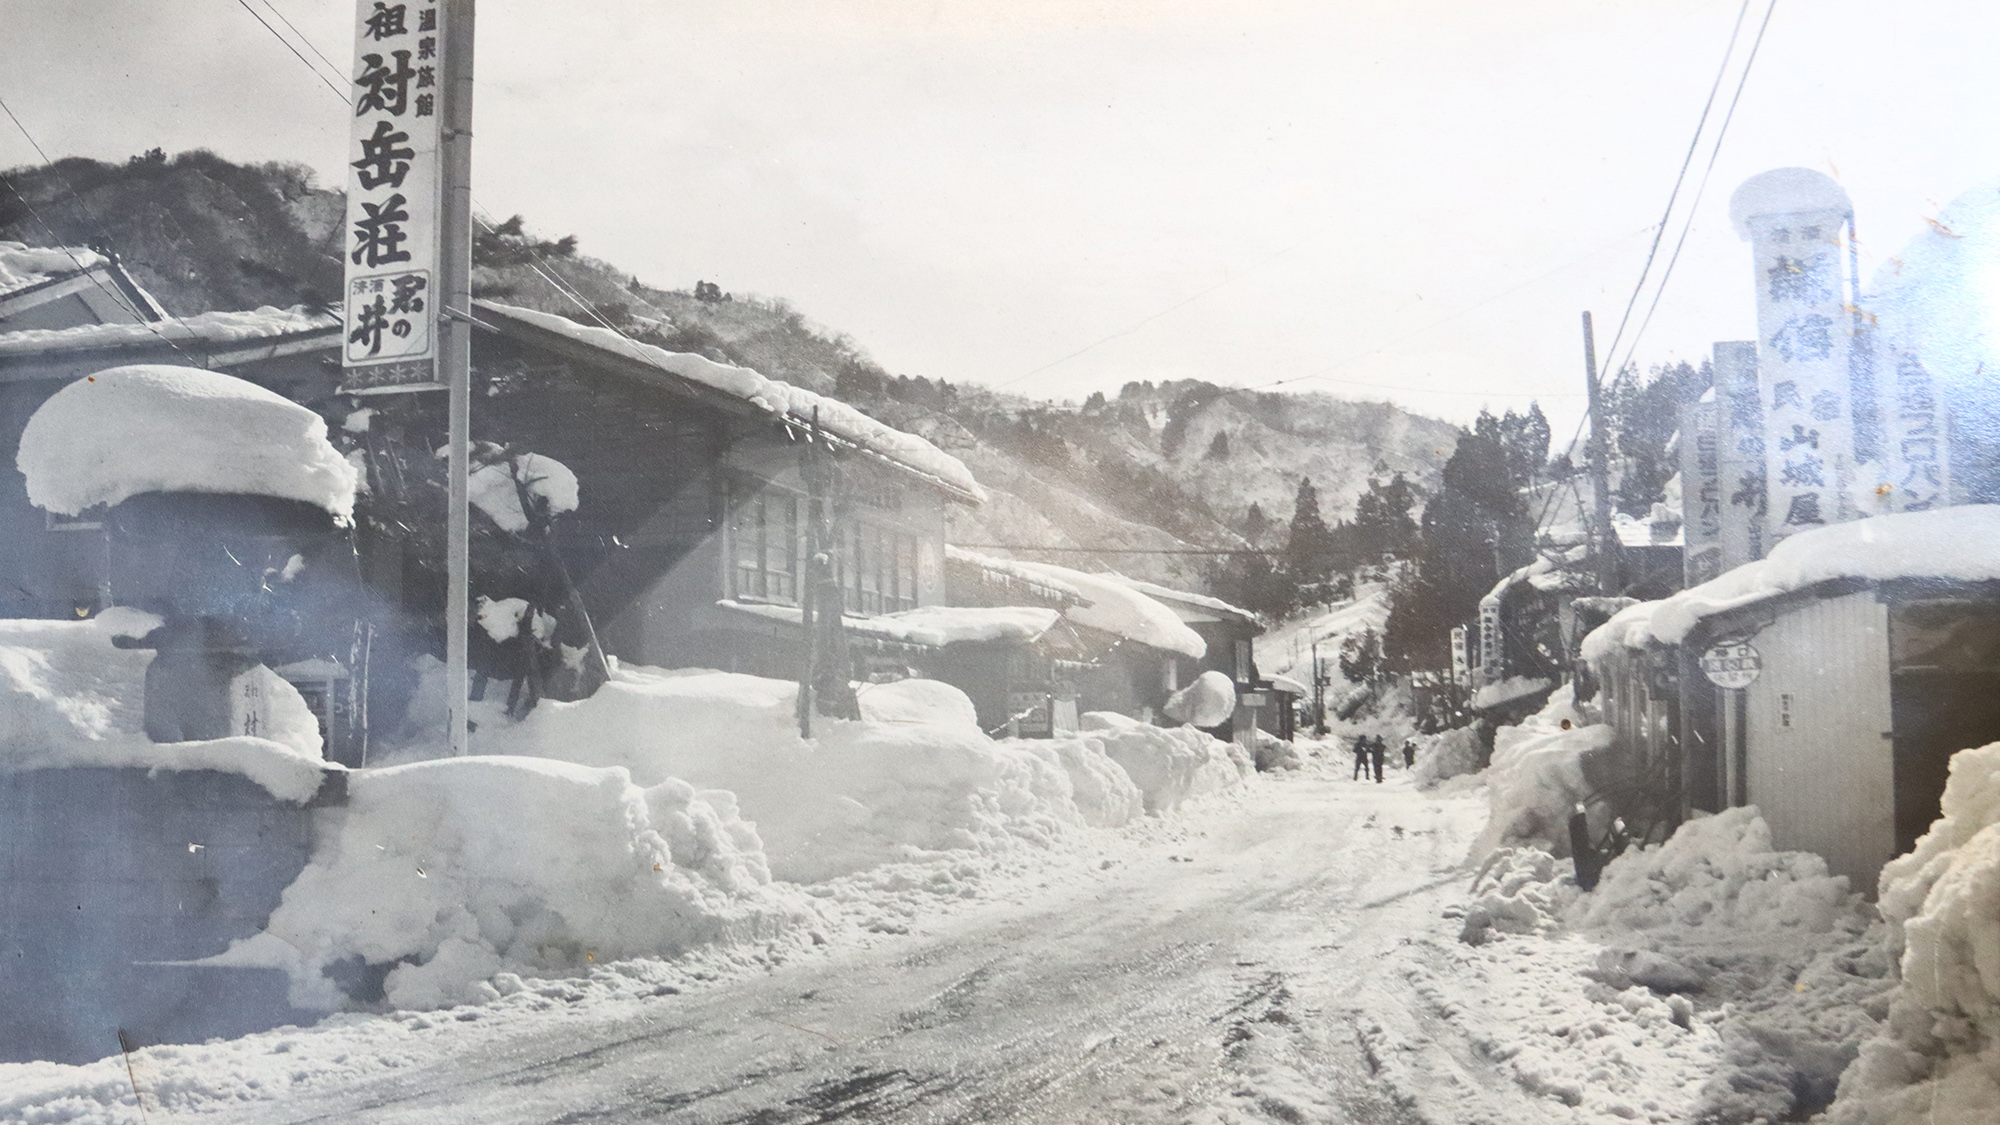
pixel 1227 977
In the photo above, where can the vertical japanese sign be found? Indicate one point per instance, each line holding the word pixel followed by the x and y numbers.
pixel 1701 492
pixel 1795 220
pixel 1918 471
pixel 1739 434
pixel 393 198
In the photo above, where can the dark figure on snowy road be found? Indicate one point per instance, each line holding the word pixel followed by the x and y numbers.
pixel 1360 757
pixel 1409 753
pixel 1376 753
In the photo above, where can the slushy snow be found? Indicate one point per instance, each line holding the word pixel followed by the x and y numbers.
pixel 130 430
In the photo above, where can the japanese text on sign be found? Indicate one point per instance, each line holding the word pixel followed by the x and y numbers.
pixel 391 245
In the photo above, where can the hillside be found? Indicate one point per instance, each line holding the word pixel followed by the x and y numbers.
pixel 1154 468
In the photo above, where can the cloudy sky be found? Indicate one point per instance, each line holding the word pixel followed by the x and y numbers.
pixel 1403 199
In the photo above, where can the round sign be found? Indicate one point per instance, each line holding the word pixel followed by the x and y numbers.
pixel 1732 664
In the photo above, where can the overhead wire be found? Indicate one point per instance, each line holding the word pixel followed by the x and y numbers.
pixel 337 91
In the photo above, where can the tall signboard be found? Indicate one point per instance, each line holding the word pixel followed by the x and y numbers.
pixel 394 199
pixel 1917 476
pixel 1795 220
pixel 1702 500
pixel 1739 450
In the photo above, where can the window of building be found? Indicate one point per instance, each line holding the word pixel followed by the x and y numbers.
pixel 764 535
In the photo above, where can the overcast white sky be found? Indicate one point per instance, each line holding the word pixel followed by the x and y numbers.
pixel 1414 197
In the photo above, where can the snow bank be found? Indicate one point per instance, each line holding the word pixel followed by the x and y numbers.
pixel 1207 702
pixel 68 699
pixel 1537 777
pixel 1168 764
pixel 782 399
pixel 1937 1058
pixel 1120 610
pixel 470 867
pixel 1954 544
pixel 1448 754
pixel 208 328
pixel 1507 691
pixel 129 430
pixel 916 779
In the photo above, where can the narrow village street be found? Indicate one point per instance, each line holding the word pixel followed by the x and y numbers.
pixel 1222 979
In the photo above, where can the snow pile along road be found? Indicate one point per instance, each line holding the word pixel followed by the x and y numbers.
pixel 69 699
pixel 474 867
pixel 1168 764
pixel 1539 774
pixel 1937 1058
pixel 149 428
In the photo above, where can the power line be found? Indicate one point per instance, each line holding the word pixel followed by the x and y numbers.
pixel 310 45
pixel 1694 145
pixel 337 91
pixel 1713 152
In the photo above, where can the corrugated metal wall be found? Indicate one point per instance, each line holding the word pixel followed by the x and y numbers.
pixel 1820 766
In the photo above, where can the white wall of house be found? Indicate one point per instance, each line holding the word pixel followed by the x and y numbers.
pixel 1819 762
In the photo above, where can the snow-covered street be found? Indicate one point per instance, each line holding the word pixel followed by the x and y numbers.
pixel 1219 967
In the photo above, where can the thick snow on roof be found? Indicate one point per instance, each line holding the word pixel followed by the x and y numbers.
pixel 128 430
pixel 780 398
pixel 22 265
pixel 931 624
pixel 1202 601
pixel 1954 544
pixel 208 328
pixel 1010 569
pixel 1785 191
pixel 1117 608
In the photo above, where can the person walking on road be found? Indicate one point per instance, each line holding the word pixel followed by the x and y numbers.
pixel 1377 752
pixel 1410 753
pixel 1360 757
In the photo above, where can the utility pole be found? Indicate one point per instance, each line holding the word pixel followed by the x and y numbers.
pixel 1604 549
pixel 455 345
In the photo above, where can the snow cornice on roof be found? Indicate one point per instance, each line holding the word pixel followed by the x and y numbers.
pixel 795 406
pixel 208 330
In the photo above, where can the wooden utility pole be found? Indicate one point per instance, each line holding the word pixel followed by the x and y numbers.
pixel 455 345
pixel 1604 537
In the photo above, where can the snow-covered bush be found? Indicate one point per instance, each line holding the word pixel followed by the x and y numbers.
pixel 1937 1059
pixel 469 867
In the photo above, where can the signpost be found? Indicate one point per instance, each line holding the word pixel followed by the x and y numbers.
pixel 408 259
pixel 1732 664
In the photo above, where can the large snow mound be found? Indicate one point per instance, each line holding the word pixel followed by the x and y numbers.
pixel 129 430
pixel 1937 1058
pixel 1116 608
pixel 1168 764
pixel 1207 702
pixel 496 487
pixel 794 403
pixel 917 779
pixel 1955 544
pixel 69 699
pixel 470 867
pixel 1537 777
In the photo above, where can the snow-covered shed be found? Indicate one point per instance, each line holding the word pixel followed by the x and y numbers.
pixel 1828 683
pixel 57 287
pixel 1230 634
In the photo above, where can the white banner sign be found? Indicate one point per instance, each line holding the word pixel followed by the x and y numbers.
pixel 393 197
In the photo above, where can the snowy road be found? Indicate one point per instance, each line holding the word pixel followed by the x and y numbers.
pixel 1215 980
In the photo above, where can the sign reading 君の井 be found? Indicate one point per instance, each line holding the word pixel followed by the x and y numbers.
pixel 391 246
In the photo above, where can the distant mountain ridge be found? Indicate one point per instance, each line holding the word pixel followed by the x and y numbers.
pixel 1119 481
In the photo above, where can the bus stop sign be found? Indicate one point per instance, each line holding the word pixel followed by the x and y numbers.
pixel 1732 664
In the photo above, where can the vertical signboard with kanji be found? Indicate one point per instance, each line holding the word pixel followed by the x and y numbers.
pixel 391 246
pixel 1796 220
pixel 1701 492
pixel 1917 473
pixel 1739 447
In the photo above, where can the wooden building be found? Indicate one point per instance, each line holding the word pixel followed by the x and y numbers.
pixel 52 288
pixel 1828 685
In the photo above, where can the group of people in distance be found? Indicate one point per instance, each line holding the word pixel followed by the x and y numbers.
pixel 1370 749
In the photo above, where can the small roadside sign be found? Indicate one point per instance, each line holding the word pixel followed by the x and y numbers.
pixel 1732 664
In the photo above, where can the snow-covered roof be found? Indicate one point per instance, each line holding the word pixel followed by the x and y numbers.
pixel 1009 569
pixel 155 428
pixel 22 265
pixel 207 328
pixel 929 625
pixel 781 399
pixel 1549 571
pixel 1198 601
pixel 1116 608
pixel 1959 544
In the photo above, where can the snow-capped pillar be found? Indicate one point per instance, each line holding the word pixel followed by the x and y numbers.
pixel 1796 222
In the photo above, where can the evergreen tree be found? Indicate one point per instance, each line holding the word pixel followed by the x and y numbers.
pixel 1382 523
pixel 1309 546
